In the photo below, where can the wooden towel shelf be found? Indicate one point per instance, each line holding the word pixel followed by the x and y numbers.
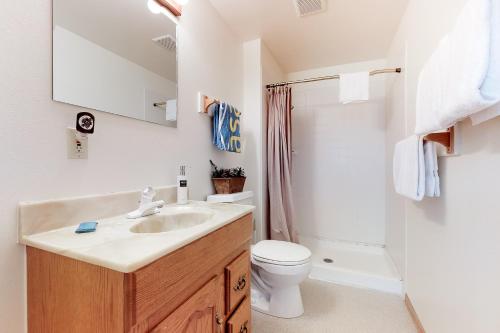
pixel 446 139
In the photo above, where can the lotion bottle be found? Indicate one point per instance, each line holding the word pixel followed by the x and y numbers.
pixel 182 187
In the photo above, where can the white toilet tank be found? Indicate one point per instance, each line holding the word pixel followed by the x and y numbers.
pixel 242 198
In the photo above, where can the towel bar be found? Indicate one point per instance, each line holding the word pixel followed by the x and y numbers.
pixel 446 139
pixel 159 105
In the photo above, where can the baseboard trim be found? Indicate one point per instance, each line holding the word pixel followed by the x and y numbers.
pixel 414 315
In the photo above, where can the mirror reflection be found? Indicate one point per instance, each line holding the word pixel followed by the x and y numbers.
pixel 115 56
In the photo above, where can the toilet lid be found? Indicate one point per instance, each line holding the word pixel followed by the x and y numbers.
pixel 279 252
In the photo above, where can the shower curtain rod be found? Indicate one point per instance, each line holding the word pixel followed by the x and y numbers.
pixel 331 77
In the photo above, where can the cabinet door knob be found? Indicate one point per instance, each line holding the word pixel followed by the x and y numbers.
pixel 243 328
pixel 242 282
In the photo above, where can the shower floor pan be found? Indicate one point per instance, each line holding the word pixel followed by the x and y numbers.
pixel 352 264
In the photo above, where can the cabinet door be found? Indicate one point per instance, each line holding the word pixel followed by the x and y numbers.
pixel 196 315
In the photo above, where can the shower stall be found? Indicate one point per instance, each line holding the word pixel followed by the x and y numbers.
pixel 339 180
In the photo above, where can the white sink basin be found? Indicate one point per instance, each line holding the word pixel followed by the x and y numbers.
pixel 165 221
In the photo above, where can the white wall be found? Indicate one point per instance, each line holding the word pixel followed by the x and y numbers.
pixel 452 243
pixel 396 127
pixel 89 75
pixel 251 126
pixel 260 68
pixel 339 160
pixel 124 153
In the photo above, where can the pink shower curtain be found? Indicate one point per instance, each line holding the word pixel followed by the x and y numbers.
pixel 279 164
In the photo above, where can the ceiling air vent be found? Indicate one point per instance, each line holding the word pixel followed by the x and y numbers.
pixel 309 7
pixel 167 42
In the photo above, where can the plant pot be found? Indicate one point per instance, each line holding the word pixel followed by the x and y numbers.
pixel 229 185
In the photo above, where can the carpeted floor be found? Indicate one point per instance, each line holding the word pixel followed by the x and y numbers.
pixel 331 308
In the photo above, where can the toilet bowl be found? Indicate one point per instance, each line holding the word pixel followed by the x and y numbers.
pixel 278 268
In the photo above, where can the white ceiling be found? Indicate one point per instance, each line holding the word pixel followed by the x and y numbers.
pixel 125 27
pixel 349 31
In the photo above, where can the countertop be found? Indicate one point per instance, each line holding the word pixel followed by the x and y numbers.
pixel 116 247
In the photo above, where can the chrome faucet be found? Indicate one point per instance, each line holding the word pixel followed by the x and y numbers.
pixel 147 206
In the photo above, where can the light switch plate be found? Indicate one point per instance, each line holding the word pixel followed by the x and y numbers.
pixel 77 144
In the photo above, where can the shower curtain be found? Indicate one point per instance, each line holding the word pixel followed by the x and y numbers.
pixel 279 164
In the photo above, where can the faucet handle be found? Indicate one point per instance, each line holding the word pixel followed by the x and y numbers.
pixel 147 195
pixel 147 209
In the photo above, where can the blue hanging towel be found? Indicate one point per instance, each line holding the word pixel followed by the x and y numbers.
pixel 226 128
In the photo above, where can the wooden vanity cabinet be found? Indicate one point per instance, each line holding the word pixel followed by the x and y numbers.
pixel 197 314
pixel 204 287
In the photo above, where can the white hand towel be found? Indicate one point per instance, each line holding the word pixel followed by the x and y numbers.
pixel 491 85
pixel 432 183
pixel 354 87
pixel 171 110
pixel 450 82
pixel 409 168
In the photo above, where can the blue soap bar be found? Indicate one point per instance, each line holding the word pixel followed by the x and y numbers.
pixel 86 227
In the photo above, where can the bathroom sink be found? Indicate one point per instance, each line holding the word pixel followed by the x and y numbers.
pixel 165 222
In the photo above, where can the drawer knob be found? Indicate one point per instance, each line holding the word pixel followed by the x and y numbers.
pixel 243 328
pixel 219 320
pixel 242 282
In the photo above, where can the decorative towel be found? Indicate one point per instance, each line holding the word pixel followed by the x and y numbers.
pixel 491 85
pixel 354 87
pixel 409 168
pixel 211 109
pixel 226 128
pixel 432 183
pixel 450 82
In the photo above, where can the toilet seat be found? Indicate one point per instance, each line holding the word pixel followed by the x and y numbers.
pixel 281 269
pixel 280 263
pixel 280 253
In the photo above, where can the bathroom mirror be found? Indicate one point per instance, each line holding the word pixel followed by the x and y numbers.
pixel 115 56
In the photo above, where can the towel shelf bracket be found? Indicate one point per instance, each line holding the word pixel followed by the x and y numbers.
pixel 204 103
pixel 447 139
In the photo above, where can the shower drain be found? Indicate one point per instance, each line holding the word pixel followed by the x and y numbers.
pixel 328 260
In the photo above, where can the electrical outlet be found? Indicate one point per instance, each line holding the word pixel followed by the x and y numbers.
pixel 77 143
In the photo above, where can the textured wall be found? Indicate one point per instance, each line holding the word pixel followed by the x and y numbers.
pixel 339 160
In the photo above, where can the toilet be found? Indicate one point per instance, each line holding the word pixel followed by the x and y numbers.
pixel 278 268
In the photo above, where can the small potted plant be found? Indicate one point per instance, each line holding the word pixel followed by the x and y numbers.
pixel 227 181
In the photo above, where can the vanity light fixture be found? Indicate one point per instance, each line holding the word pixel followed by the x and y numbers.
pixel 154 7
pixel 167 7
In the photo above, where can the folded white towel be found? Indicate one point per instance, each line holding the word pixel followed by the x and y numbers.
pixel 409 168
pixel 486 115
pixel 450 82
pixel 354 87
pixel 491 85
pixel 432 182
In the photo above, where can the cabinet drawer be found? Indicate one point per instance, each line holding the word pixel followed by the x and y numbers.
pixel 237 280
pixel 240 322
